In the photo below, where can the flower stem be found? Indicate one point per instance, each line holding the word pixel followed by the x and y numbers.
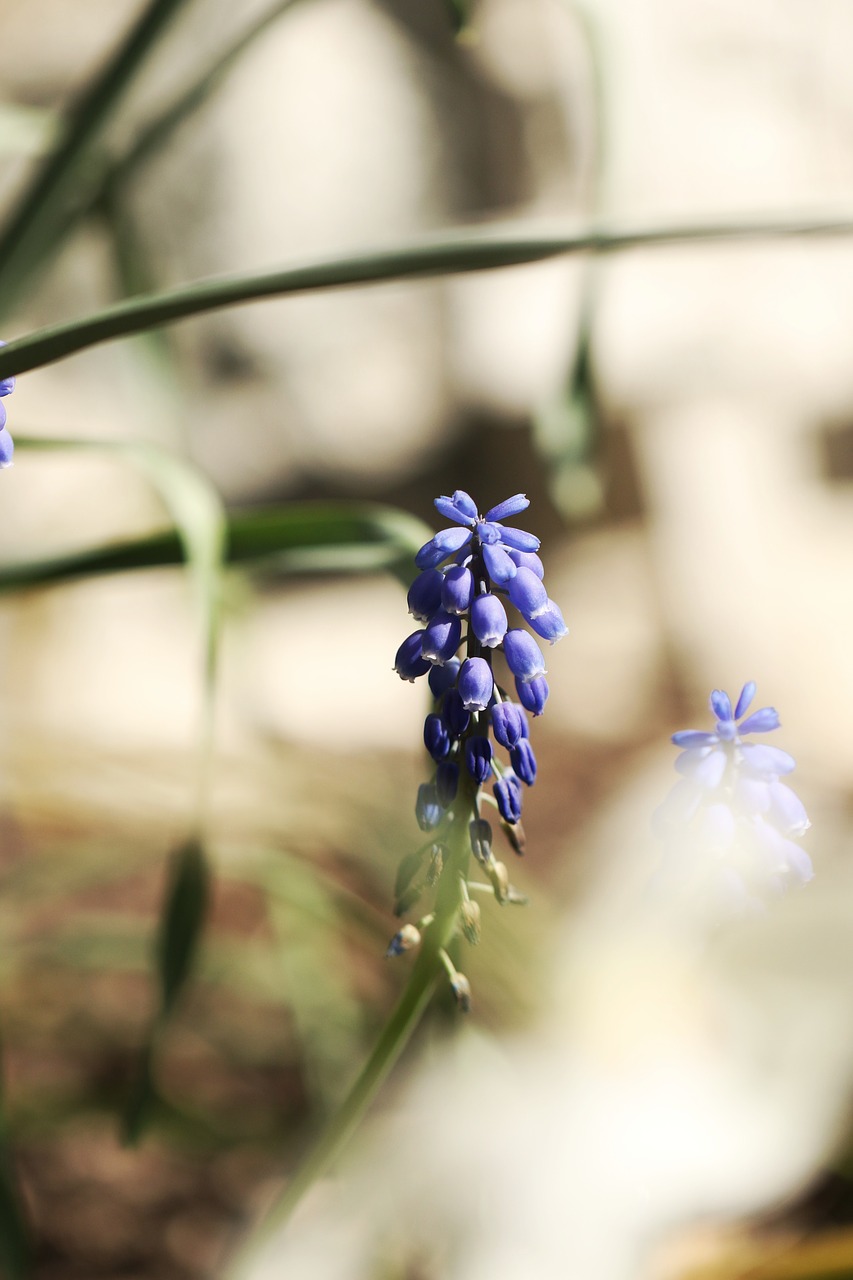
pixel 426 972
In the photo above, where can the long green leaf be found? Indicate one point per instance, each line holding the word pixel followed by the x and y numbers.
pixel 159 130
pixel 325 537
pixel 43 203
pixel 444 255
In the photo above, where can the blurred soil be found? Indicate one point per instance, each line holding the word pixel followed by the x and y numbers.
pixel 290 987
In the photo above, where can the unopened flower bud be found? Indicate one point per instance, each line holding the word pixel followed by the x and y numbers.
pixel 524 761
pixel 528 560
pixel 527 592
pixel 436 738
pixel 424 596
pixel 447 782
pixel 454 714
pixel 469 919
pixel 404 940
pixel 533 694
pixel 549 623
pixel 514 833
pixel 444 544
pixel 443 678
pixel 441 637
pixel 461 988
pixel 457 590
pixel 478 758
pixel 437 858
pixel 508 795
pixel 523 655
pixel 428 809
pixel 481 840
pixel 476 684
pixel 409 662
pixel 488 620
pixel 499 877
pixel 508 723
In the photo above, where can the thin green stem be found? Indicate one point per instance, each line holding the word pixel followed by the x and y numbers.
pixel 426 972
pixel 444 255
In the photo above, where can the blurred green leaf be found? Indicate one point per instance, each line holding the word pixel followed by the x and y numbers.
pixel 159 130
pixel 43 204
pixel 184 913
pixel 183 917
pixel 460 13
pixel 453 252
pixel 566 432
pixel 15 1253
pixel 15 1249
pixel 310 537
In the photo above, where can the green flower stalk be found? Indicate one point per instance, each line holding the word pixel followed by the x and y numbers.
pixel 470 576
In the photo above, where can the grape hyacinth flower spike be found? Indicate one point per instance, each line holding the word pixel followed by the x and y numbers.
pixel 470 576
pixel 730 825
pixel 7 447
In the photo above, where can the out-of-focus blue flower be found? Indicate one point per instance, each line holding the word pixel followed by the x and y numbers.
pixel 730 825
pixel 7 445
pixel 706 755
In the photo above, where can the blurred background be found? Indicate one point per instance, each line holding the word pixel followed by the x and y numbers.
pixel 681 418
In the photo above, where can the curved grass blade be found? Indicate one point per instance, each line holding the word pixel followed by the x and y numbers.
pixel 180 931
pixel 43 203
pixel 309 537
pixel 159 130
pixel 15 1243
pixel 449 254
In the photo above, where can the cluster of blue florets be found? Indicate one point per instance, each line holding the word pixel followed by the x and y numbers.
pixel 469 575
pixel 7 447
pixel 730 824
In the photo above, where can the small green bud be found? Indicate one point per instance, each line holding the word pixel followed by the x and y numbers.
pixel 499 877
pixel 469 918
pixel 514 833
pixel 436 863
pixel 404 940
pixel 461 988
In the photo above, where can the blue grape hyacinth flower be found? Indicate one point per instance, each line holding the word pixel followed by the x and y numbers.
pixel 481 600
pixel 730 825
pixel 7 446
